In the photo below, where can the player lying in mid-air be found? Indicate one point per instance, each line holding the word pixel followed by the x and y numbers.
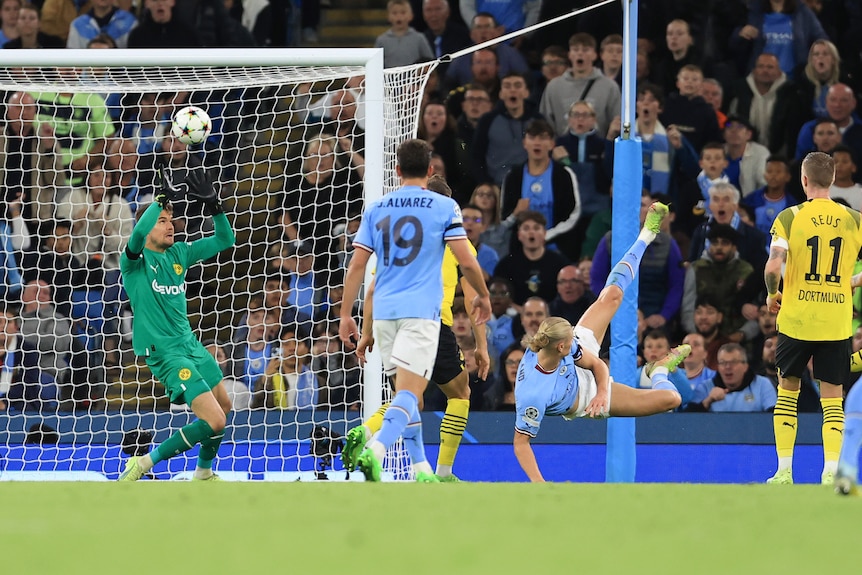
pixel 561 373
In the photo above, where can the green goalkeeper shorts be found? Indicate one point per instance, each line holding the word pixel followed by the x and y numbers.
pixel 186 372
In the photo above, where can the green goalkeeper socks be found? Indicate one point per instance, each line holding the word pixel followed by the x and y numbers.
pixel 183 440
pixel 209 449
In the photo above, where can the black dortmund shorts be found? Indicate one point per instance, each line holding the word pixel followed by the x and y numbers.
pixel 450 361
pixel 831 358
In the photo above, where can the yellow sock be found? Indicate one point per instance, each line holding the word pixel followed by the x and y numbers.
pixel 833 427
pixel 784 422
pixel 451 430
pixel 375 422
pixel 856 361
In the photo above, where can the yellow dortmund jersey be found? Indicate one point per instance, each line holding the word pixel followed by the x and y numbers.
pixel 822 239
pixel 450 282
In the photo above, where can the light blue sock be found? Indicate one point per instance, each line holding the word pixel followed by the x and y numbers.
pixel 624 271
pixel 848 461
pixel 413 439
pixel 396 418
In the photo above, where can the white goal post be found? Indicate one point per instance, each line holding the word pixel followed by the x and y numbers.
pixel 277 119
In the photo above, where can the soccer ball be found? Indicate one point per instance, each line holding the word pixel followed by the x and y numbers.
pixel 191 125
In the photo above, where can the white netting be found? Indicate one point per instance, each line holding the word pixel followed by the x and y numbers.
pixel 289 154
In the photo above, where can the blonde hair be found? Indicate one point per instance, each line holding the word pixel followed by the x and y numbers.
pixel 550 332
pixel 836 65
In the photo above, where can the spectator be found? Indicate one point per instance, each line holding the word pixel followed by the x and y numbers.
pixel 22 148
pixel 505 333
pixel 707 324
pixel 440 130
pixel 320 197
pixel 276 296
pixel 573 295
pixel 9 20
pixel 215 27
pixel 696 370
pixel 54 264
pixel 660 273
pixel 555 62
pixel 501 299
pixel 785 28
pixel 581 82
pixel 444 35
pixel 845 170
pixel 501 395
pixel 477 102
pixel 724 205
pixel 841 106
pixel 343 123
pixel 31 33
pixel 689 112
pixel 511 14
pixel 160 29
pixel 712 91
pixel 80 136
pixel 681 53
pixel 822 71
pixel 337 371
pixel 497 234
pixel 694 194
pixel 305 283
pixel 582 150
pixel 484 27
pixel 474 226
pixel 532 269
pixel 550 187
pixel 20 377
pixel 768 101
pixel 402 45
pixel 499 140
pixel 288 382
pixel 768 201
pixel 746 160
pixel 103 18
pixel 62 356
pixel 826 137
pixel 251 354
pixel 735 388
pixel 611 55
pixel 667 154
pixel 717 275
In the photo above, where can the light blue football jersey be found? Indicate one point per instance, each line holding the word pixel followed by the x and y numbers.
pixel 407 230
pixel 539 393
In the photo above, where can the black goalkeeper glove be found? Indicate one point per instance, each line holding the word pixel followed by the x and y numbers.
pixel 201 189
pixel 167 191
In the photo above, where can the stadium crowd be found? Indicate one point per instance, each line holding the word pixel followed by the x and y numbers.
pixel 731 95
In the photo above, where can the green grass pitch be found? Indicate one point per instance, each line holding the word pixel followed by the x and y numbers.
pixel 316 528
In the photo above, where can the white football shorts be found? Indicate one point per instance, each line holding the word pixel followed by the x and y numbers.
pixel 409 343
pixel 587 388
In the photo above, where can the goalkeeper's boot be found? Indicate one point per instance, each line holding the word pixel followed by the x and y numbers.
pixel 353 445
pixel 782 477
pixel 213 477
pixel 132 471
pixel 671 361
pixel 369 465
pixel 423 477
pixel 448 478
pixel 657 212
pixel 845 483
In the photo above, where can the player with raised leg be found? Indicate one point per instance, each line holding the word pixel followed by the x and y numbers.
pixel 814 248
pixel 561 373
pixel 449 371
pixel 154 269
pixel 408 230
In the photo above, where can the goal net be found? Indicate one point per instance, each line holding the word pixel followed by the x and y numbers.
pixel 301 140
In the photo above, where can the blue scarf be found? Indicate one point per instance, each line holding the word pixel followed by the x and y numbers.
pixel 656 162
pixel 8 265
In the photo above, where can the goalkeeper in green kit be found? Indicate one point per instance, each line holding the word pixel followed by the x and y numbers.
pixel 154 272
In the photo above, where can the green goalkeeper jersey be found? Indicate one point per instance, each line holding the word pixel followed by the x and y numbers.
pixel 156 282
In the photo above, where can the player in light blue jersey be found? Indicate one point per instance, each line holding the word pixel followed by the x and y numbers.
pixel 408 230
pixel 561 373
